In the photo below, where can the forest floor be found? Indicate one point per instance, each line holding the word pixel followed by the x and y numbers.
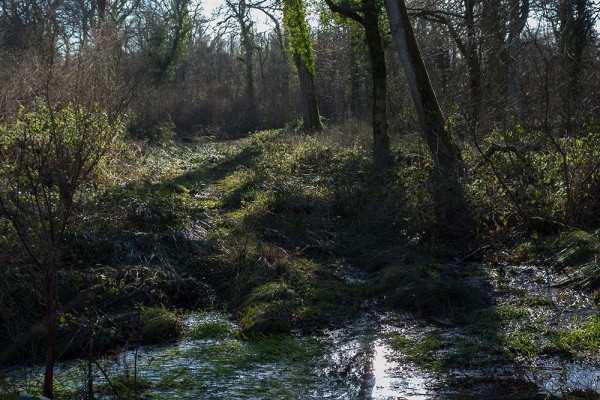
pixel 300 272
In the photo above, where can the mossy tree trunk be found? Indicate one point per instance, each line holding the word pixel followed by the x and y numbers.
pixel 308 95
pixel 301 49
pixel 368 17
pixel 451 207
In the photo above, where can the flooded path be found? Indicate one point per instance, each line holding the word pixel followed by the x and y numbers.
pixel 352 362
pixel 374 356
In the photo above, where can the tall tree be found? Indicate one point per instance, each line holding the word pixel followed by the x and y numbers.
pixel 300 48
pixel 367 15
pixel 574 34
pixel 452 211
pixel 462 27
pixel 169 38
pixel 503 22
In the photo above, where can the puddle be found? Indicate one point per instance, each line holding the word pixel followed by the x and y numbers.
pixel 361 358
pixel 556 378
pixel 568 308
pixel 393 380
pixel 353 362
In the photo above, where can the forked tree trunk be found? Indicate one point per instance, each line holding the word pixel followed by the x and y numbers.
pixel 370 22
pixel 452 212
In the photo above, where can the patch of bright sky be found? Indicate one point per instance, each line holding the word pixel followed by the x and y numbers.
pixel 261 21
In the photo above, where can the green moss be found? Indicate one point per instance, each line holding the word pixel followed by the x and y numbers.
pixel 239 187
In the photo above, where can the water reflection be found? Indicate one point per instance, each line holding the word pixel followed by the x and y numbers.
pixel 354 362
pixel 392 380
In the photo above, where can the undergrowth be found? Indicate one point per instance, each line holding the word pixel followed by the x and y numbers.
pixel 265 227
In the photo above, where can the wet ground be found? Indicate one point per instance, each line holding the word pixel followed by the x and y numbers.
pixel 380 355
pixel 352 362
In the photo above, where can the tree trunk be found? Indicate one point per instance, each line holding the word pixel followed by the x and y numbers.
pixel 381 139
pixel 575 27
pixel 355 99
pixel 518 15
pixel 370 22
pixel 452 211
pixel 473 63
pixel 251 117
pixel 51 298
pixel 308 94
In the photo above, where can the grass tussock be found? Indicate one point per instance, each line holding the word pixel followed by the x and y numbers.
pixel 159 324
pixel 575 253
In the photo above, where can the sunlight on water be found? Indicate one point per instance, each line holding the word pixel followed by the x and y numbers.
pixel 393 380
pixel 556 378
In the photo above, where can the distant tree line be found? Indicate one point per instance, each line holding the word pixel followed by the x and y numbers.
pixel 493 63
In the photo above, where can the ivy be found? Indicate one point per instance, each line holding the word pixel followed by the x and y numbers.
pixel 298 34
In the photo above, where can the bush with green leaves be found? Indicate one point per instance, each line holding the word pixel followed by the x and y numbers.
pixel 47 152
pixel 530 176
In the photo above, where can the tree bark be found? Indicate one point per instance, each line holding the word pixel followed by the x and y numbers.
pixel 240 11
pixel 473 63
pixel 452 211
pixel 300 46
pixel 370 22
pixel 381 139
pixel 308 94
pixel 248 45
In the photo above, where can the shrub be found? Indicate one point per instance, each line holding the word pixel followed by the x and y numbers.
pixel 46 154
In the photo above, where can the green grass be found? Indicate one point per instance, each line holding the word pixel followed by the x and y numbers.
pixel 159 324
pixel 583 337
pixel 213 327
pixel 422 350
